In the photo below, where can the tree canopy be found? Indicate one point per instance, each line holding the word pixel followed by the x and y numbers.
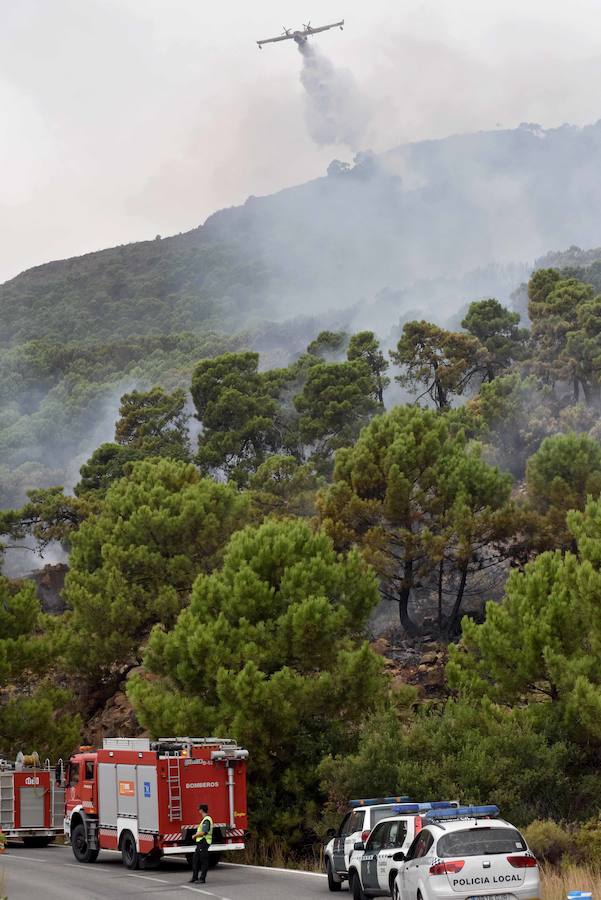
pixel 133 564
pixel 420 500
pixel 441 362
pixel 270 650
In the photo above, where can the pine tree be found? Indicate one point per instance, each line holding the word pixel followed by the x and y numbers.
pixel 270 651
pixel 133 564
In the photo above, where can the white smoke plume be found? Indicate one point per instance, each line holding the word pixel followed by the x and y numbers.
pixel 335 110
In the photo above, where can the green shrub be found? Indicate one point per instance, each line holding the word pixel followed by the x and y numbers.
pixel 588 842
pixel 548 840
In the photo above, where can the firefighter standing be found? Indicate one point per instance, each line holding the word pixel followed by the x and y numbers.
pixel 203 839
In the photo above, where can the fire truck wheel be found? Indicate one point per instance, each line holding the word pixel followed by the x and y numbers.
pixel 190 859
pixel 79 843
pixel 37 841
pixel 129 853
pixel 214 860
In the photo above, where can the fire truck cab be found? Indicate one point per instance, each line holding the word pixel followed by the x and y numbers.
pixel 141 797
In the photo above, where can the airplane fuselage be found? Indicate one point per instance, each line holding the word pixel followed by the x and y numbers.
pixel 300 37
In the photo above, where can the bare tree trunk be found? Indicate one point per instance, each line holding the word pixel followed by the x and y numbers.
pixel 441 397
pixel 404 596
pixel 458 599
pixel 440 576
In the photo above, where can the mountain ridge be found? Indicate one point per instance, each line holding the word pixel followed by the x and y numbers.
pixel 428 210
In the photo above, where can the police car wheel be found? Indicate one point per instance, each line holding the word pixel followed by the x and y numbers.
pixel 129 853
pixel 356 889
pixel 332 884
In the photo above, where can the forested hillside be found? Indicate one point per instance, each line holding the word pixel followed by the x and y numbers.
pixel 422 230
pixel 223 578
pixel 245 439
pixel 425 212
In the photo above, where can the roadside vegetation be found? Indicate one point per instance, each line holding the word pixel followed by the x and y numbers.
pixel 225 580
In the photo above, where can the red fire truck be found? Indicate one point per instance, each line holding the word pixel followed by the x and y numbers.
pixel 141 797
pixel 32 804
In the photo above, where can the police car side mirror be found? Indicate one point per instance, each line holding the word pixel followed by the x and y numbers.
pixel 399 857
pixel 359 845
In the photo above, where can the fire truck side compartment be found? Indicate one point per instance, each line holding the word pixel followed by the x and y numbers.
pixel 31 807
pixel 148 804
pixel 128 791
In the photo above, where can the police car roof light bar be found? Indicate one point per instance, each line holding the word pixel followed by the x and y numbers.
pixel 463 812
pixel 378 801
pixel 414 808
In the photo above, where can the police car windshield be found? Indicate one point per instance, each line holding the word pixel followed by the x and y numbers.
pixel 480 841
pixel 378 814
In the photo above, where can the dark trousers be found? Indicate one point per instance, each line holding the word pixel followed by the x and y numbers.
pixel 201 860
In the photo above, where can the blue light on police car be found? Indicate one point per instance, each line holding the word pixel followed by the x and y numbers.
pixel 406 808
pixel 463 812
pixel 415 808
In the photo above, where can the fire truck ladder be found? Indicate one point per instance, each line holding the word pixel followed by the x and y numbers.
pixel 7 801
pixel 174 788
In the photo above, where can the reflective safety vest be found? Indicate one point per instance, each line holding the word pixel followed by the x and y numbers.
pixel 207 835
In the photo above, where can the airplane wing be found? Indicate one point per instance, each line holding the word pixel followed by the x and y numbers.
pixel 282 37
pixel 327 27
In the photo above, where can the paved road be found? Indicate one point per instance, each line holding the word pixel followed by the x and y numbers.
pixel 54 874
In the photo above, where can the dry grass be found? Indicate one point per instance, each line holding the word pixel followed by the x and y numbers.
pixel 555 883
pixel 275 853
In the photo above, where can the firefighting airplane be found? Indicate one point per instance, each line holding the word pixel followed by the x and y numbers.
pixel 300 36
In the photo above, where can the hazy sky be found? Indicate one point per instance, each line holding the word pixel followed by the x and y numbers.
pixel 121 119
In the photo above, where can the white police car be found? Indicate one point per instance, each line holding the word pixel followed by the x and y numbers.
pixel 356 826
pixel 467 854
pixel 374 864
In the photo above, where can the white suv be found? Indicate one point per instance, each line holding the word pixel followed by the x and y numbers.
pixel 467 853
pixel 355 826
pixel 373 866
pixel 359 823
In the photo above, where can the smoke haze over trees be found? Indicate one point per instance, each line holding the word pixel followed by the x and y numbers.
pixel 349 394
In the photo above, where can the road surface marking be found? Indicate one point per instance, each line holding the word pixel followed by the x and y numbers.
pixel 148 878
pixel 83 867
pixel 9 856
pixel 196 890
pixel 273 869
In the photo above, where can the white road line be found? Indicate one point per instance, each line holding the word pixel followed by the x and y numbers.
pixel 147 877
pixel 8 856
pixel 273 869
pixel 93 870
pixel 196 890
